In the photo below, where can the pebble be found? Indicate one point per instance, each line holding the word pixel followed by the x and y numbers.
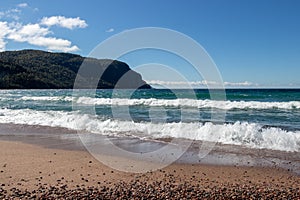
pixel 137 189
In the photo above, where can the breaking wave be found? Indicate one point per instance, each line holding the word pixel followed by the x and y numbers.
pixel 194 103
pixel 251 135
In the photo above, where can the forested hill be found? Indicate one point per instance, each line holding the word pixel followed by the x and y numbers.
pixel 34 69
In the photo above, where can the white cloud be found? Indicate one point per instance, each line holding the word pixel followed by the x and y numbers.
pixel 38 34
pixel 22 5
pixel 26 5
pixel 64 22
pixel 198 84
pixel 240 84
pixel 12 13
pixel 53 44
pixel 4 31
pixel 28 32
pixel 182 84
pixel 110 30
pixel 2 45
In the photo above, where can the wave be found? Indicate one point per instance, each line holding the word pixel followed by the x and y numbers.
pixel 47 98
pixel 193 103
pixel 225 105
pixel 252 135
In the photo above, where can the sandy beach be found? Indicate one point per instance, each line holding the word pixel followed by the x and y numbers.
pixel 31 170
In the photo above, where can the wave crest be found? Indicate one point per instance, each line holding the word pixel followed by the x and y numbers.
pixel 193 103
pixel 240 133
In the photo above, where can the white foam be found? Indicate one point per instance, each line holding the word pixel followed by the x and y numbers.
pixel 47 98
pixel 193 103
pixel 247 134
pixel 226 105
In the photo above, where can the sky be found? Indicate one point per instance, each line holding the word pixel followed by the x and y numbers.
pixel 254 43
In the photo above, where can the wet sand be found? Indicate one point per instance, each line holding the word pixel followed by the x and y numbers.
pixel 58 166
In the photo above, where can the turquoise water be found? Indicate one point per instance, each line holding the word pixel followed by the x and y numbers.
pixel 256 118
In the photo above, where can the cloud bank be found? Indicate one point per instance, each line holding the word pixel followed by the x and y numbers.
pixel 37 34
pixel 198 84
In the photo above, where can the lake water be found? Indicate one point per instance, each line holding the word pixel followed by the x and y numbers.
pixel 254 118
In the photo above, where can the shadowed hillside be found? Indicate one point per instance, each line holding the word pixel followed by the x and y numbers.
pixel 33 69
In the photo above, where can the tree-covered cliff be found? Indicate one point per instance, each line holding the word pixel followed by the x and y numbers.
pixel 34 69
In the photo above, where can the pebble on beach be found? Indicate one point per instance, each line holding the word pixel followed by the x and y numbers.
pixel 139 189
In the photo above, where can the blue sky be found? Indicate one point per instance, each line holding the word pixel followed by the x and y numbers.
pixel 253 43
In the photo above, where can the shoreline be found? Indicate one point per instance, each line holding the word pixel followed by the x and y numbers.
pixel 28 169
pixel 220 154
pixel 58 164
